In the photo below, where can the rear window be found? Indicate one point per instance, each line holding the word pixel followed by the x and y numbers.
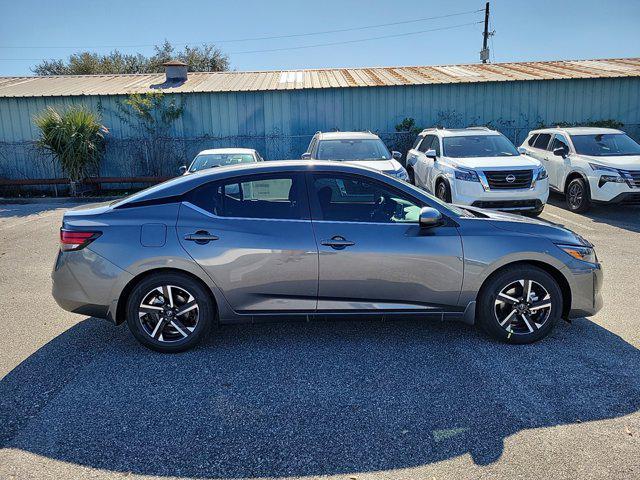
pixel 542 142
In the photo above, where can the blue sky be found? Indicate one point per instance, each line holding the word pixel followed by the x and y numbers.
pixel 525 30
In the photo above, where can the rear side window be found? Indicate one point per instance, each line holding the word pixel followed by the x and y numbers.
pixel 532 140
pixel 276 197
pixel 542 142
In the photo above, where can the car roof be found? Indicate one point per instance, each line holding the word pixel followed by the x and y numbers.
pixel 460 132
pixel 577 130
pixel 226 150
pixel 182 184
pixel 346 135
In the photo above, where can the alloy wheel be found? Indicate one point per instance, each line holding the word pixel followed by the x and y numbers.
pixel 168 313
pixel 441 192
pixel 575 195
pixel 522 307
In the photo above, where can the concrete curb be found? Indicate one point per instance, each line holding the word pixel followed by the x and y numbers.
pixel 60 200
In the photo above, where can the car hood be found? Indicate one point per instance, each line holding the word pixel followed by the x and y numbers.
pixel 380 165
pixel 529 226
pixel 496 163
pixel 626 162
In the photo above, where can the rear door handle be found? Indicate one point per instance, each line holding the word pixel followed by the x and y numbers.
pixel 337 242
pixel 200 237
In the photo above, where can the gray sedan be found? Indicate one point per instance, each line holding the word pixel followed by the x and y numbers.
pixel 304 239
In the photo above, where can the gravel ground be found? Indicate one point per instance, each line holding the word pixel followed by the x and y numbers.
pixel 79 398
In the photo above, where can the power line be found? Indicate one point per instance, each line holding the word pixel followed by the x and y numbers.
pixel 271 37
pixel 315 45
pixel 355 41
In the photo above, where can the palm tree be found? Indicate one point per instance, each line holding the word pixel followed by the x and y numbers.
pixel 76 139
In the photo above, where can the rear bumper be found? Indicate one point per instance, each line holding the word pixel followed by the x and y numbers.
pixel 83 282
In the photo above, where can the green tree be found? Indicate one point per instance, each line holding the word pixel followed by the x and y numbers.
pixel 205 58
pixel 76 139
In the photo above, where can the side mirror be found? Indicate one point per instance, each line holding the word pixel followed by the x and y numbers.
pixel 429 217
pixel 306 156
pixel 431 153
pixel 182 170
pixel 522 150
pixel 560 152
pixel 396 155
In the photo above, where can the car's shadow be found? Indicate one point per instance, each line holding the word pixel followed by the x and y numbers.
pixel 307 398
pixel 626 217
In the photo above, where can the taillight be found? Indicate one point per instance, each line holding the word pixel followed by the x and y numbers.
pixel 76 239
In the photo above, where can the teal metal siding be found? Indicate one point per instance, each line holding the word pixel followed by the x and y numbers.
pixel 280 123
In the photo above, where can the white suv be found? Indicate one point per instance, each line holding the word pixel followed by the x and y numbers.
pixel 360 148
pixel 588 164
pixel 478 167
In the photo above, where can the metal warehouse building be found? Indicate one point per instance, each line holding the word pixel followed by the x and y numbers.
pixel 277 112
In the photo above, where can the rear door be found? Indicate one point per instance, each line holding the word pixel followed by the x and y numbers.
pixel 373 255
pixel 253 236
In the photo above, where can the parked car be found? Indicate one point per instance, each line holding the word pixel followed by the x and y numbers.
pixel 221 157
pixel 588 164
pixel 360 148
pixel 479 167
pixel 299 238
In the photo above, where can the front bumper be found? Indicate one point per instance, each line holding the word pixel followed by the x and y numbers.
pixel 613 192
pixel 586 289
pixel 473 194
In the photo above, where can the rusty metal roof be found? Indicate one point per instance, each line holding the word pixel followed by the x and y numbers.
pixel 78 85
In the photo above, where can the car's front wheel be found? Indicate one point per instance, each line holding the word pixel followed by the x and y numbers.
pixel 443 192
pixel 169 312
pixel 412 176
pixel 519 304
pixel 578 195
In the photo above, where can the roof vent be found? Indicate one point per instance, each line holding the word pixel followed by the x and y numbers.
pixel 176 71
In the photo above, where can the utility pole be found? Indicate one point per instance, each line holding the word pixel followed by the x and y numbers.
pixel 484 53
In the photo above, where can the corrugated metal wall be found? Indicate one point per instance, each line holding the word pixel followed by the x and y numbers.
pixel 281 123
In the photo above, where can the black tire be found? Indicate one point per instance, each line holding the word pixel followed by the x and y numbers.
pixel 443 192
pixel 198 321
pixel 578 195
pixel 412 176
pixel 517 330
pixel 533 214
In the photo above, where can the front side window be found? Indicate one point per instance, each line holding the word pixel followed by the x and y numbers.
pixel 350 150
pixel 275 197
pixel 417 142
pixel 542 141
pixel 428 142
pixel 212 160
pixel 478 146
pixel 559 141
pixel 344 198
pixel 532 140
pixel 603 145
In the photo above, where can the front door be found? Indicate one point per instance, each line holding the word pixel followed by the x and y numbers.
pixel 373 255
pixel 254 238
pixel 555 163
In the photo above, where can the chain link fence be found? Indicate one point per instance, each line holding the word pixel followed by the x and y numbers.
pixel 162 156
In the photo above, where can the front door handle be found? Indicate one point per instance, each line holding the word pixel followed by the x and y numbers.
pixel 337 242
pixel 200 237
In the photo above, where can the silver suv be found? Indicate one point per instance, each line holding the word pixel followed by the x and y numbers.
pixel 360 148
pixel 299 238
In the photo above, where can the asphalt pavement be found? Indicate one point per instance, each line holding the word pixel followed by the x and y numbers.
pixel 80 398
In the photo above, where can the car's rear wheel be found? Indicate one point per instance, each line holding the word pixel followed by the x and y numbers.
pixel 578 196
pixel 169 312
pixel 443 192
pixel 519 304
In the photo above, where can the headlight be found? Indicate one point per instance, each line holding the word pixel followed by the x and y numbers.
pixel 401 174
pixel 597 166
pixel 466 175
pixel 542 174
pixel 586 254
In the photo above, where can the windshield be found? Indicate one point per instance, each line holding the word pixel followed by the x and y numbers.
pixel 478 146
pixel 367 149
pixel 210 160
pixel 606 144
